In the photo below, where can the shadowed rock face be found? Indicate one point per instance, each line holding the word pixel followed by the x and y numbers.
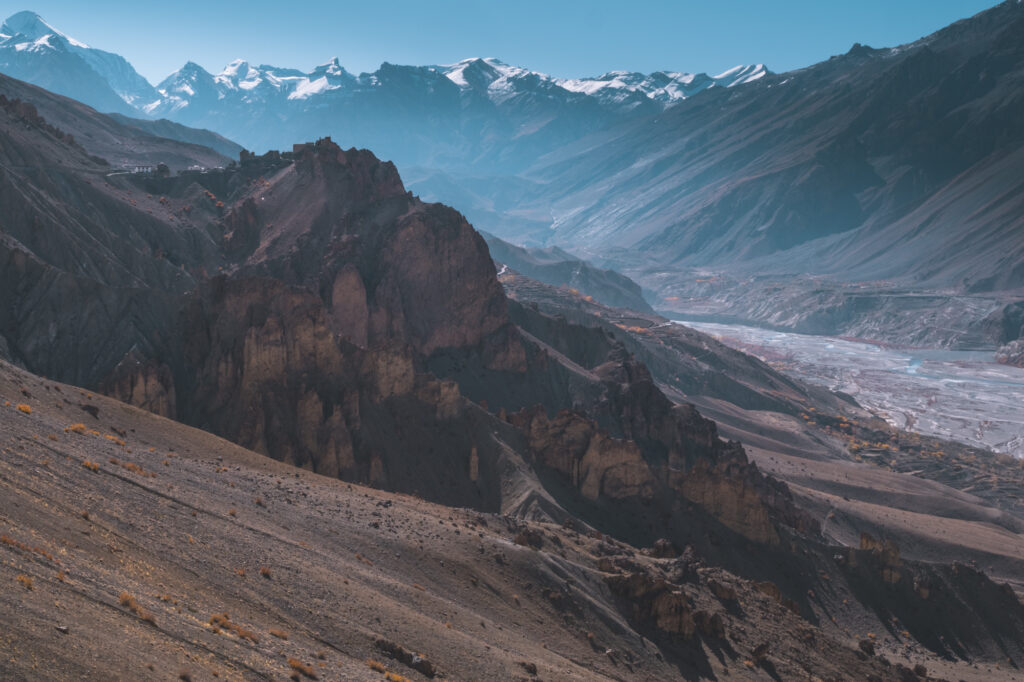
pixel 388 268
pixel 295 305
pixel 298 306
pixel 300 358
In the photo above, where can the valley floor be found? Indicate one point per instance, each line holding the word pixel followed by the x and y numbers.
pixel 957 395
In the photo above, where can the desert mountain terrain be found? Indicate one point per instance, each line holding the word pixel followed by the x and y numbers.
pixel 373 376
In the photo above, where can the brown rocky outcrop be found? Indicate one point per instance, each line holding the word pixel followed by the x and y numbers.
pixel 1012 353
pixel 885 554
pixel 657 601
pixel 143 383
pixel 945 607
pixel 727 496
pixel 595 463
pixel 659 452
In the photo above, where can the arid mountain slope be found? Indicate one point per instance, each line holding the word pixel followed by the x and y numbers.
pixel 851 470
pixel 896 163
pixel 559 268
pixel 133 546
pixel 175 131
pixel 118 141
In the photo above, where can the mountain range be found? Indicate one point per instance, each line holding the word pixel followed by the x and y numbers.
pixel 897 168
pixel 479 111
pixel 34 51
pixel 901 163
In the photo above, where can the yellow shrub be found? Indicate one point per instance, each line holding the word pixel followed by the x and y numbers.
pixel 300 667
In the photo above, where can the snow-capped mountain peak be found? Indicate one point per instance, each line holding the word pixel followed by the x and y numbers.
pixel 75 69
pixel 185 82
pixel 239 74
pixel 501 80
pixel 666 87
pixel 331 68
pixel 738 75
pixel 34 27
pixel 32 49
pixel 481 72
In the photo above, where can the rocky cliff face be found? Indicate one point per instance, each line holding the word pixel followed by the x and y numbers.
pixel 298 304
pixel 334 307
pixel 1006 327
pixel 1012 353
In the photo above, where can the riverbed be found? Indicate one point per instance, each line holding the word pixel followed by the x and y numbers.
pixel 960 395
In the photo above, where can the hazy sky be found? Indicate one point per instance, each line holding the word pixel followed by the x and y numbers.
pixel 559 37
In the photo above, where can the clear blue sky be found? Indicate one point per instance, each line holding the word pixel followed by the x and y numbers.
pixel 559 37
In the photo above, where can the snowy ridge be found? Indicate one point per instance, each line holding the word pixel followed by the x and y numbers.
pixel 32 49
pixel 666 87
pixel 252 83
pixel 27 33
pixel 489 76
pixel 31 26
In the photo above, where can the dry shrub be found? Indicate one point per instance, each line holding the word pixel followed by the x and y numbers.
pixel 222 621
pixel 136 469
pixel 25 580
pixel 75 428
pixel 265 572
pixel 24 547
pixel 24 408
pixel 129 602
pixel 300 667
pixel 91 466
pixel 280 634
pixel 376 665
